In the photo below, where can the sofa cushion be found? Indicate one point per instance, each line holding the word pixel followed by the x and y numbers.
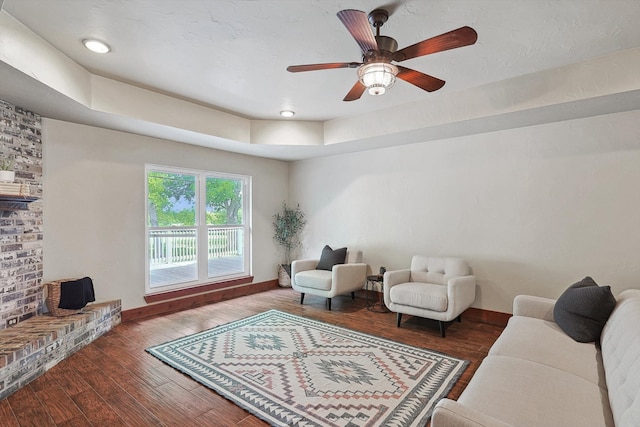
pixel 315 279
pixel 331 257
pixel 436 265
pixel 353 257
pixel 428 277
pixel 423 295
pixel 544 342
pixel 620 343
pixel 582 310
pixel 525 393
pixel 443 265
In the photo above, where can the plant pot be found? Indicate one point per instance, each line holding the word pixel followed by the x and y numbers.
pixel 284 275
pixel 7 176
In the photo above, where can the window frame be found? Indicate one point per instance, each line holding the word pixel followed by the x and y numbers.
pixel 202 276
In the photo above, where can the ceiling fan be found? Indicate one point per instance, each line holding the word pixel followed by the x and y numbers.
pixel 376 73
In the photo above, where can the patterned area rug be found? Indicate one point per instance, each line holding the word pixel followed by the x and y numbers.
pixel 293 371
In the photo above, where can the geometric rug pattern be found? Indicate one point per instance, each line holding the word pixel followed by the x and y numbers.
pixel 293 371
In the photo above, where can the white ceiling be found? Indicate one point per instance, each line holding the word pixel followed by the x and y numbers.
pixel 231 55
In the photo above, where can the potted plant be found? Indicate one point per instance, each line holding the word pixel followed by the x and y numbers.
pixel 7 174
pixel 287 226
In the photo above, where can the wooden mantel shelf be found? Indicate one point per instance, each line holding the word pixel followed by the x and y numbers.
pixel 13 203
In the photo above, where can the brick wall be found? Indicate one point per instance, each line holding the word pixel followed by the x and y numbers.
pixel 21 294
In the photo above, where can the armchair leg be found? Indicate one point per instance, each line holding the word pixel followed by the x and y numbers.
pixel 301 298
pixel 353 296
pixel 329 303
pixel 459 318
pixel 443 326
pixel 399 319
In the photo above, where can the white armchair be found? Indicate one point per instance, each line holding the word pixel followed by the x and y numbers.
pixel 433 288
pixel 342 279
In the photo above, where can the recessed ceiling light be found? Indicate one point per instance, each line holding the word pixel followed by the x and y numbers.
pixel 287 113
pixel 96 46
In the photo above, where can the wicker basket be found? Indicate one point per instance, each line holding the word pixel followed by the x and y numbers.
pixel 53 299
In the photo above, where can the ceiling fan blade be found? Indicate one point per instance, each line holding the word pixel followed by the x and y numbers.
pixel 356 92
pixel 463 36
pixel 422 80
pixel 327 66
pixel 357 24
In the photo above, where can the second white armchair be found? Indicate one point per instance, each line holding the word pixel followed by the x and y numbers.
pixel 438 288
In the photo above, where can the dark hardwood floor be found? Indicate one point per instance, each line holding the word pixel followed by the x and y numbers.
pixel 114 382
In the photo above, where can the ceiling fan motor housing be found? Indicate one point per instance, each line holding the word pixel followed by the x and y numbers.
pixel 386 48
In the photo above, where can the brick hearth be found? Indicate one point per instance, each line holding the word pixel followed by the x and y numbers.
pixel 30 348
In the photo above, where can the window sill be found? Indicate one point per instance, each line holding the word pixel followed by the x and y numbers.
pixel 164 296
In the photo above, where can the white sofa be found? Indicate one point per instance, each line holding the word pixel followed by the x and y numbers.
pixel 536 375
pixel 343 278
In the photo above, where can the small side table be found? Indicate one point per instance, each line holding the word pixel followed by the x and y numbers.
pixel 375 304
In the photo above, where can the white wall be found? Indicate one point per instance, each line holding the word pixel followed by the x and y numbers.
pixel 94 204
pixel 533 210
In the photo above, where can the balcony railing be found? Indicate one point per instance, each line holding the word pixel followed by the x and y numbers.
pixel 168 247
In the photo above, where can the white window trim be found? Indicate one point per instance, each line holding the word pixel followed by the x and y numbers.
pixel 201 227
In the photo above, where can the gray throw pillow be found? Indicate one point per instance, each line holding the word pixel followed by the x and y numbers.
pixel 583 309
pixel 331 257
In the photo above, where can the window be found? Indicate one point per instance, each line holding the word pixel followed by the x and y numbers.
pixel 197 228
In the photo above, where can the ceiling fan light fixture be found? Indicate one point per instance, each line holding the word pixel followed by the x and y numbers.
pixel 377 77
